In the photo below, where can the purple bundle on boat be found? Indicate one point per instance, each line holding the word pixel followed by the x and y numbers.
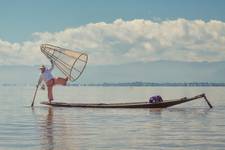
pixel 155 99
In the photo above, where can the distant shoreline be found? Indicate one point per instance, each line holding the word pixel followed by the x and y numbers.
pixel 136 84
pixel 143 84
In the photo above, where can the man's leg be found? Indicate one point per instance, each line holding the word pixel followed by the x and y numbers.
pixel 50 85
pixel 50 95
pixel 61 81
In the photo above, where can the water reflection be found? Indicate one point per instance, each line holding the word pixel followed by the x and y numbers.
pixel 83 128
pixel 54 129
pixel 156 111
pixel 47 131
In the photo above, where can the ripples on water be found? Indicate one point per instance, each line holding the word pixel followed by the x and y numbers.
pixel 188 126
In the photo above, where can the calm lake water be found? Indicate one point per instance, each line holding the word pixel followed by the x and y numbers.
pixel 183 127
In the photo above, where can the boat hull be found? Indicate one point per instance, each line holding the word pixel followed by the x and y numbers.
pixel 164 104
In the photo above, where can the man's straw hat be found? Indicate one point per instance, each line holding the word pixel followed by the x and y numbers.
pixel 42 67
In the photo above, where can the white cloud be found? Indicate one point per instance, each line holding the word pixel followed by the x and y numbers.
pixel 128 41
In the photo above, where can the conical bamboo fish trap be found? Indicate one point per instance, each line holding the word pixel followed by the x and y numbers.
pixel 70 63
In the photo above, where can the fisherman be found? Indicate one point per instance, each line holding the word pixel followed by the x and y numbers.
pixel 50 81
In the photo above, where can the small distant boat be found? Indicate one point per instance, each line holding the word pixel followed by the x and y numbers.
pixel 164 104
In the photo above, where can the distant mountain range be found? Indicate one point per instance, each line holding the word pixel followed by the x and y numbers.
pixel 152 72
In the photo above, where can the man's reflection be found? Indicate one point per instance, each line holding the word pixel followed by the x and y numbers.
pixel 47 137
pixel 49 129
pixel 53 130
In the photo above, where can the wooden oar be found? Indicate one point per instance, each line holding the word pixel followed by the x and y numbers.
pixel 207 101
pixel 34 96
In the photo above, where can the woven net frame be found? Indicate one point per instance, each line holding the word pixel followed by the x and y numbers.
pixel 70 63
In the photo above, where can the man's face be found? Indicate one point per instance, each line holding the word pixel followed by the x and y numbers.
pixel 42 70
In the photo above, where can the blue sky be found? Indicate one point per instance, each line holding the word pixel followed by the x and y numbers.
pixel 21 18
pixel 114 32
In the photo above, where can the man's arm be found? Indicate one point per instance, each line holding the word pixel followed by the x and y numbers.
pixel 52 67
pixel 40 80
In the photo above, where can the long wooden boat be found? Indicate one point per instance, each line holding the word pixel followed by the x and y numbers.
pixel 164 104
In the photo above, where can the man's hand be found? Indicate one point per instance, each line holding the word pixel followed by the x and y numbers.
pixel 43 87
pixel 52 67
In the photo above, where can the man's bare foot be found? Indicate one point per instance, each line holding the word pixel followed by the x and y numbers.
pixel 50 100
pixel 66 79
